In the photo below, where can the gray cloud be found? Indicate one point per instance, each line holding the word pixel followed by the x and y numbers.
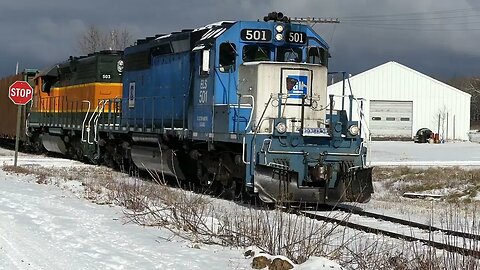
pixel 47 32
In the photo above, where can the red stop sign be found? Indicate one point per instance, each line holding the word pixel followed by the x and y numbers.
pixel 20 92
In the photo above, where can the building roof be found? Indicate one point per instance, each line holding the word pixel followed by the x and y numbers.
pixel 393 64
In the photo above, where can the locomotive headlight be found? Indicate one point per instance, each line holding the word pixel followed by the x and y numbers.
pixel 279 28
pixel 120 66
pixel 281 127
pixel 353 130
pixel 279 37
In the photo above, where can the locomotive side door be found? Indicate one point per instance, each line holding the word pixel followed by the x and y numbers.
pixel 201 119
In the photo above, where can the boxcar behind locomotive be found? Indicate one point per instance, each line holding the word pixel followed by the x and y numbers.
pixel 9 109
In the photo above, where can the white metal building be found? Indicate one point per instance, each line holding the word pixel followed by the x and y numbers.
pixel 398 101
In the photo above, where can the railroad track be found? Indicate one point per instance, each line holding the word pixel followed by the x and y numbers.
pixel 409 223
pixel 454 241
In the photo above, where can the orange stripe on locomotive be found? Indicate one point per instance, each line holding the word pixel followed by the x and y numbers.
pixel 71 86
pixel 73 98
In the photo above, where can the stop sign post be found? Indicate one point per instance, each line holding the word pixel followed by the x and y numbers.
pixel 20 92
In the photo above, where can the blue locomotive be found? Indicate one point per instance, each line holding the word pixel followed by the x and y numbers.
pixel 239 106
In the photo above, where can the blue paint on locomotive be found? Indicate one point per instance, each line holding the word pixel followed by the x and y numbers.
pixel 158 95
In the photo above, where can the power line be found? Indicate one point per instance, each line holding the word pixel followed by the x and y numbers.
pixel 408 14
pixel 417 24
pixel 419 21
pixel 418 29
pixel 413 19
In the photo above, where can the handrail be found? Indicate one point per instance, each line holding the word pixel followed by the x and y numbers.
pixel 263 114
pixel 254 133
pixel 243 153
pixel 89 121
pixel 251 112
pixel 85 119
pixel 281 152
pixel 95 126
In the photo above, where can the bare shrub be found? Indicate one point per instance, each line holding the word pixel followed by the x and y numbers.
pixel 200 219
pixel 197 218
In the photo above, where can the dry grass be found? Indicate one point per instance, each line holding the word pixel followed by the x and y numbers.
pixel 40 174
pixel 460 184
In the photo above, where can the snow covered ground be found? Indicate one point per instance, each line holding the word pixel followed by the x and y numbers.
pixel 55 227
pixel 464 155
pixel 44 227
pixel 383 153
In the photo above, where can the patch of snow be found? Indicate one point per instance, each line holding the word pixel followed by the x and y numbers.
pixel 383 153
pixel 319 263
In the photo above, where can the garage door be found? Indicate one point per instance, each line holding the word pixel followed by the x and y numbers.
pixel 391 118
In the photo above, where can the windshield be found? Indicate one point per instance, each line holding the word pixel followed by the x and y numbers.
pixel 317 56
pixel 285 54
pixel 256 53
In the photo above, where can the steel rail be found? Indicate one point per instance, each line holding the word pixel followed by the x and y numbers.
pixel 408 223
pixel 344 222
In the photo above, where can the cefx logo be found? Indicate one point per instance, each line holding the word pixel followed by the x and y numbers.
pixel 297 86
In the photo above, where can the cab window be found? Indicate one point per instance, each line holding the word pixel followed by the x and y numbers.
pixel 255 53
pixel 317 56
pixel 289 54
pixel 227 56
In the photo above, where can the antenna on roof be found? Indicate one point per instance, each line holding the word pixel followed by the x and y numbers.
pixel 313 20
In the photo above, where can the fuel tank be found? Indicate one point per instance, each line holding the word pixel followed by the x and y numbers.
pixel 54 144
pixel 155 158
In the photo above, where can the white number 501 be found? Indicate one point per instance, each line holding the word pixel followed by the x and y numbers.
pixel 202 99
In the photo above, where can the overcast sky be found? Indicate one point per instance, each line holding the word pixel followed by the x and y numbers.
pixel 439 38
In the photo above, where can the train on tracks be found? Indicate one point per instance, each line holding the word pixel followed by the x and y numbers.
pixel 241 106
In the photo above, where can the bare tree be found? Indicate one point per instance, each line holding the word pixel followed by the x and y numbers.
pixel 94 39
pixel 441 121
pixel 91 40
pixel 121 38
pixel 470 85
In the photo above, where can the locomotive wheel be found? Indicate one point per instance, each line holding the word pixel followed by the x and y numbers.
pixel 229 190
pixel 108 160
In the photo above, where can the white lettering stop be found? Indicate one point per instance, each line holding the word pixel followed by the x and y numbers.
pixel 20 92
